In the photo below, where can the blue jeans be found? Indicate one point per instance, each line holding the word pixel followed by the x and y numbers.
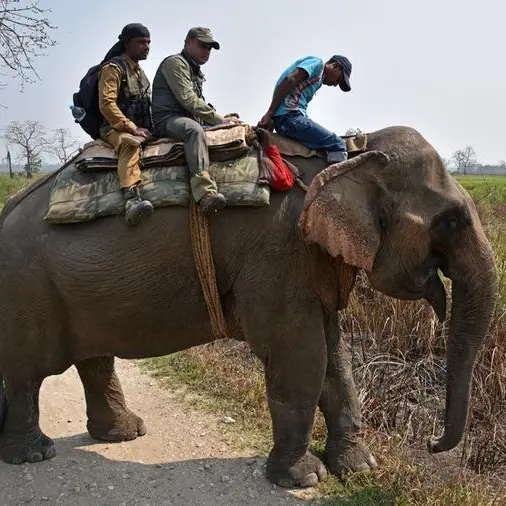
pixel 308 132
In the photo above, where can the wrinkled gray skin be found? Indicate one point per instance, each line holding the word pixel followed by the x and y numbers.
pixel 83 294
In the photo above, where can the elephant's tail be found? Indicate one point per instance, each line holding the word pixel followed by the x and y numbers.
pixel 3 403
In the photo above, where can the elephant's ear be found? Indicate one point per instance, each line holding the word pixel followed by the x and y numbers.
pixel 341 211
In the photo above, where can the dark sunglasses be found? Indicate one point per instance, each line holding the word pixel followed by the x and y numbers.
pixel 204 45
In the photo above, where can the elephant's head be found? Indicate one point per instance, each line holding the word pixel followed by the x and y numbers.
pixel 396 213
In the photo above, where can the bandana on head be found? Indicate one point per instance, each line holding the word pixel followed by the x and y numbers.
pixel 133 30
pixel 129 32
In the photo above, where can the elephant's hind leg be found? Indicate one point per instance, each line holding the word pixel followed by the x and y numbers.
pixel 109 419
pixel 21 439
pixel 294 366
pixel 345 451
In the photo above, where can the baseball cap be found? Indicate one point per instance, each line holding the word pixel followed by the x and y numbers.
pixel 346 67
pixel 204 35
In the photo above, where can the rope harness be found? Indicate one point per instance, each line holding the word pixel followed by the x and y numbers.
pixel 204 262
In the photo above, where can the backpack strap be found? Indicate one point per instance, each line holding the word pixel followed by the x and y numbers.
pixel 120 63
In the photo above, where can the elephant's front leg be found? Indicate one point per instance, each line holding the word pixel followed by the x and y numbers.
pixel 21 439
pixel 294 375
pixel 344 451
pixel 109 419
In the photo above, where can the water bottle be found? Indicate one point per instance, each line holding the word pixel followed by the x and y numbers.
pixel 78 113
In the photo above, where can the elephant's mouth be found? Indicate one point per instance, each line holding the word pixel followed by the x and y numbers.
pixel 425 284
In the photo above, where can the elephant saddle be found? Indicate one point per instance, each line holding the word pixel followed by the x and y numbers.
pixel 87 187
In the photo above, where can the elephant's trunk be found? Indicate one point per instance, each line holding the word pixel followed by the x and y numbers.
pixel 473 300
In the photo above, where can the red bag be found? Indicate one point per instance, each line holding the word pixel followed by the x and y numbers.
pixel 282 177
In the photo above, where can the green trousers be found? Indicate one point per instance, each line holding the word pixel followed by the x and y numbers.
pixel 196 152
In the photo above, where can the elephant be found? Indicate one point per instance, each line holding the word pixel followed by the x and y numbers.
pixel 83 294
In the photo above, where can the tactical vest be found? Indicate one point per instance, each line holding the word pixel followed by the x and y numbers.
pixel 167 104
pixel 134 98
pixel 196 75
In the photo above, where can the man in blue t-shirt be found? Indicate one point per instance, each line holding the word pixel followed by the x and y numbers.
pixel 292 94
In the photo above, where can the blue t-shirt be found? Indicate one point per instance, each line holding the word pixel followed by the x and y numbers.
pixel 298 99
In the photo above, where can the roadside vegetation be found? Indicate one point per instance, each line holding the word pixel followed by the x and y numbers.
pixel 399 365
pixel 9 186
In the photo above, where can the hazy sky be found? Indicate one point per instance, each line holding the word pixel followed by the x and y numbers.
pixel 436 65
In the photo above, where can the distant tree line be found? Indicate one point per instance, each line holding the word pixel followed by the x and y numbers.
pixel 31 141
pixel 464 162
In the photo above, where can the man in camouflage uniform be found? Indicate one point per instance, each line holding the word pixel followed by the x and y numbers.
pixel 180 112
pixel 125 104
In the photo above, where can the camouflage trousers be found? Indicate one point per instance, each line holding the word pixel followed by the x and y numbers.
pixel 185 129
pixel 128 149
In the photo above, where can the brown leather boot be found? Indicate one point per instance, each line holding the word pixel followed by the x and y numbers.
pixel 136 209
pixel 211 202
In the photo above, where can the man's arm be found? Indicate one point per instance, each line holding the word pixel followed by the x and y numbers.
pixel 108 90
pixel 178 78
pixel 292 80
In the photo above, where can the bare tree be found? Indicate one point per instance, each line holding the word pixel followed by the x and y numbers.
pixel 63 145
pixel 24 35
pixel 30 138
pixel 464 159
pixel 446 162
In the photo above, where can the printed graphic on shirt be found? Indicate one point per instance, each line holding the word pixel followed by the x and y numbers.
pixel 298 99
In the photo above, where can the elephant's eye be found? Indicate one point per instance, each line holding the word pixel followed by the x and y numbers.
pixel 445 229
pixel 452 223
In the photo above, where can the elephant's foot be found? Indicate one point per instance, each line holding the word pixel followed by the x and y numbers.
pixel 349 455
pixel 32 448
pixel 123 427
pixel 306 472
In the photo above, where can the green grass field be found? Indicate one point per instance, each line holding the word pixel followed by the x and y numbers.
pixel 489 189
pixel 9 186
pixel 401 345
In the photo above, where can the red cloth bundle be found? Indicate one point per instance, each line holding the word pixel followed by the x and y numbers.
pixel 282 177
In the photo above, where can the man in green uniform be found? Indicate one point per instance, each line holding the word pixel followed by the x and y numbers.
pixel 180 112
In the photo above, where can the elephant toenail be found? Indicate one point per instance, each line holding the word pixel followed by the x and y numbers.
pixel 50 453
pixel 310 480
pixel 35 457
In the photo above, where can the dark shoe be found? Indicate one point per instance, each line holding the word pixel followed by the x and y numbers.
pixel 211 202
pixel 136 209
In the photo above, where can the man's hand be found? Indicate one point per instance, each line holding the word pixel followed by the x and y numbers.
pixel 266 122
pixel 232 119
pixel 143 132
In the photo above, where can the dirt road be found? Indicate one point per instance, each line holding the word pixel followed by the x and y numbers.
pixel 185 459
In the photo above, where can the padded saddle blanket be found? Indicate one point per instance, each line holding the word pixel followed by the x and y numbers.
pixel 355 144
pixel 225 143
pixel 78 196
